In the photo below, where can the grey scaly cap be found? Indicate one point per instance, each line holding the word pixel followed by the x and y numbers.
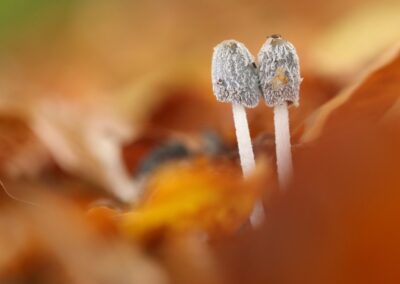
pixel 279 71
pixel 234 74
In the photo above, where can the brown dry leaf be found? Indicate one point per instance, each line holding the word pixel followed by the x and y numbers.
pixel 201 196
pixel 87 142
pixel 56 233
pixel 82 136
pixel 366 101
pixel 191 260
pixel 22 153
pixel 337 222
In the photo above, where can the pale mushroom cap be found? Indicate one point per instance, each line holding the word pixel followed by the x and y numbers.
pixel 234 74
pixel 279 71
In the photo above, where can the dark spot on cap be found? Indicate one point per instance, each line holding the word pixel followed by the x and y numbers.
pixel 232 45
pixel 276 36
pixel 221 82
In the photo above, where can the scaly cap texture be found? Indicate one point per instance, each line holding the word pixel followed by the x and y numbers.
pixel 279 71
pixel 234 74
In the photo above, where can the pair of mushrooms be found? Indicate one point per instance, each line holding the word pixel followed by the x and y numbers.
pixel 237 80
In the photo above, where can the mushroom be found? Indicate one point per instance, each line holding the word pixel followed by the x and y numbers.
pixel 279 73
pixel 235 80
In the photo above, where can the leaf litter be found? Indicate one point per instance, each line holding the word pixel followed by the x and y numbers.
pixel 118 204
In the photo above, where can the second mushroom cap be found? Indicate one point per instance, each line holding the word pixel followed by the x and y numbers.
pixel 279 71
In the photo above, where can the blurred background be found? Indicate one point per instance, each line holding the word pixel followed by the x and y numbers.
pixel 93 93
pixel 113 68
pixel 130 39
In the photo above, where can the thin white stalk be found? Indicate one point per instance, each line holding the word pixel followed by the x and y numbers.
pixel 246 155
pixel 282 143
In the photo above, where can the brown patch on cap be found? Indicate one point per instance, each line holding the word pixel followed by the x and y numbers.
pixel 280 78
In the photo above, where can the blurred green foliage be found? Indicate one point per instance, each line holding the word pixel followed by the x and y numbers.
pixel 18 17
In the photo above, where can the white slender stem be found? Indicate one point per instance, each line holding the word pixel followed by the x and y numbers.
pixel 243 139
pixel 246 155
pixel 283 146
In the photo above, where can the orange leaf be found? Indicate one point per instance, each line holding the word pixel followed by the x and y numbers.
pixel 196 197
pixel 370 99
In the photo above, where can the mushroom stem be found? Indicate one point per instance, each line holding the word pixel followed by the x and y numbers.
pixel 246 156
pixel 282 144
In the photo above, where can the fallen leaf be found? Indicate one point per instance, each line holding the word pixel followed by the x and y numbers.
pixel 194 197
pixel 366 100
pixel 355 39
pixel 58 233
